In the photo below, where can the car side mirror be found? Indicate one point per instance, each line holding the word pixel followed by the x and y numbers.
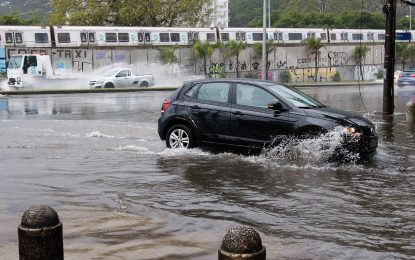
pixel 276 105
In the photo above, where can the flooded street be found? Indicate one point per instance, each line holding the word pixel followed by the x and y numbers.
pixel 120 194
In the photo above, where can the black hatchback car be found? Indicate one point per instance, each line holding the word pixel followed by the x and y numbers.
pixel 252 113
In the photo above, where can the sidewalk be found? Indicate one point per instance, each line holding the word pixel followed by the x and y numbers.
pixel 334 84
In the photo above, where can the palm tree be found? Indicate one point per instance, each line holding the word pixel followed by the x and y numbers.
pixel 313 47
pixel 233 49
pixel 269 48
pixel 359 55
pixel 403 52
pixel 203 50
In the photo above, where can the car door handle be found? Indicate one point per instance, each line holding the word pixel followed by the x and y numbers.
pixel 238 113
pixel 195 107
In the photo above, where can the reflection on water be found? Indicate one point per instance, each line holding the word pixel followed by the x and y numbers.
pixel 97 159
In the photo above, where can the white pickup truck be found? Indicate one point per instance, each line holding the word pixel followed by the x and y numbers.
pixel 122 78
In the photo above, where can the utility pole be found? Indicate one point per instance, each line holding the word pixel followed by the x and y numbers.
pixel 264 41
pixel 269 13
pixel 389 9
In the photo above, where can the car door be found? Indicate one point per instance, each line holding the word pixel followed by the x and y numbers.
pixel 210 110
pixel 121 79
pixel 252 122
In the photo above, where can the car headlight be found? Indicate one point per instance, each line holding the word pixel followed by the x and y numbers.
pixel 18 79
pixel 100 81
pixel 352 131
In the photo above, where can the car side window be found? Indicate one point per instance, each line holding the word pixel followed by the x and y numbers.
pixel 191 91
pixel 217 92
pixel 123 73
pixel 248 95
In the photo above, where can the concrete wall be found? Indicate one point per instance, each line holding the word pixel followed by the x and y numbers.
pixel 296 59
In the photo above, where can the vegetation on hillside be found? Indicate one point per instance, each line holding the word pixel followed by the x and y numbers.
pixel 26 9
pixel 15 19
pixel 313 14
pixel 130 12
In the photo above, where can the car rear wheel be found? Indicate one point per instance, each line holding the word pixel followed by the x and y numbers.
pixel 109 85
pixel 144 84
pixel 179 136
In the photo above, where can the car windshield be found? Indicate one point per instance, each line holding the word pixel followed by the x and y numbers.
pixel 15 62
pixel 111 73
pixel 296 97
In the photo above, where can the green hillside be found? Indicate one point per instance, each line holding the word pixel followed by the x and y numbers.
pixel 26 8
pixel 287 13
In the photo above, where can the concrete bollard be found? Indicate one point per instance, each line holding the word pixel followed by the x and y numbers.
pixel 242 243
pixel 40 234
pixel 410 112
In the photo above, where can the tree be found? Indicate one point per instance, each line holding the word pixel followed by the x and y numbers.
pixel 203 50
pixel 167 55
pixel 403 52
pixel 131 12
pixel 15 19
pixel 233 49
pixel 81 12
pixel 359 55
pixel 313 47
pixel 269 48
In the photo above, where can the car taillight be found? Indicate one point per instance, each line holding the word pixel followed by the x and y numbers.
pixel 164 106
pixel 413 76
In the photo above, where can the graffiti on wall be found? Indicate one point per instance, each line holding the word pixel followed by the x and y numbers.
pixel 120 57
pixel 281 64
pixel 308 74
pixel 337 59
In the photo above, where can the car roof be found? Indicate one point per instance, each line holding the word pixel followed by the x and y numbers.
pixel 236 80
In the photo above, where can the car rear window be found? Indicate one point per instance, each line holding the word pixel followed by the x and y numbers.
pixel 407 72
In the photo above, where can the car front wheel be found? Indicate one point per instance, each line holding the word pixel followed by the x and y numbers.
pixel 109 85
pixel 179 136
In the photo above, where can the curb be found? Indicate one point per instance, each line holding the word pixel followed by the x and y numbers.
pixel 81 91
pixel 120 90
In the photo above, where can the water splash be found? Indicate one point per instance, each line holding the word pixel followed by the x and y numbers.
pixel 170 75
pixel 134 148
pixel 326 149
pixel 98 134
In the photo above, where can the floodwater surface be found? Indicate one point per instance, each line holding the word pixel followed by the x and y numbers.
pixel 98 161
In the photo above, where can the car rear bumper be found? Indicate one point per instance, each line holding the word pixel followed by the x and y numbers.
pixel 406 81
